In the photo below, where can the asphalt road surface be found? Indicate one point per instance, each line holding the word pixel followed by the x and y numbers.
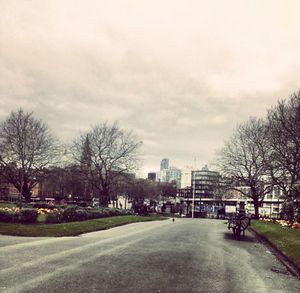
pixel 189 255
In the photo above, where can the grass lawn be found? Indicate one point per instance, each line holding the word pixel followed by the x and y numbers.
pixel 73 228
pixel 287 240
pixel 7 205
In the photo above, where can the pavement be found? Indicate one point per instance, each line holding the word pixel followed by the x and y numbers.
pixel 188 255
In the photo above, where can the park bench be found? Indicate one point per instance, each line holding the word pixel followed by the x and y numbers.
pixel 238 223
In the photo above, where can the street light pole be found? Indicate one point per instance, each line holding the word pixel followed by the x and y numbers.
pixel 278 212
pixel 193 206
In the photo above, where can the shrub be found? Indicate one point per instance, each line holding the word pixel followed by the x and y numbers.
pixel 55 217
pixel 42 211
pixel 109 212
pixel 69 213
pixel 117 212
pixel 106 212
pixel 74 206
pixel 8 216
pixel 81 215
pixel 74 213
pixel 141 210
pixel 96 213
pixel 28 216
pixel 287 211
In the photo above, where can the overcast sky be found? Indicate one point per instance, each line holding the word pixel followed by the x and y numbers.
pixel 180 74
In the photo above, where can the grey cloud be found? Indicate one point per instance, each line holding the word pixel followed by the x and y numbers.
pixel 180 76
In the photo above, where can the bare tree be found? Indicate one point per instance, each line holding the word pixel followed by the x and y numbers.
pixel 243 160
pixel 284 138
pixel 26 149
pixel 112 152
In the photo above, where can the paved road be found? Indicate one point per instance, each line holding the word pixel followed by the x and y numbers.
pixel 189 255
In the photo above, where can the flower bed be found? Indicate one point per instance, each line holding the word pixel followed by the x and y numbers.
pixel 18 215
pixel 283 223
pixel 56 215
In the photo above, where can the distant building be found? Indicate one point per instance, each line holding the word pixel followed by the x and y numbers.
pixel 152 176
pixel 164 165
pixel 169 174
pixel 174 175
pixel 200 195
pixel 186 177
pixel 210 195
pixel 122 203
pixel 205 182
pixel 270 206
pixel 9 192
pixel 162 176
pixel 185 192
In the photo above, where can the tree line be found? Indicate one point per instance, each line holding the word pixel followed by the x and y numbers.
pixel 264 153
pixel 101 165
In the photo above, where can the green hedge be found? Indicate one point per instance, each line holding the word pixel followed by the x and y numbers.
pixel 75 213
pixel 8 216
pixel 24 216
pixel 28 216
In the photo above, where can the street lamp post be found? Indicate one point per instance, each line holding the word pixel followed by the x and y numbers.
pixel 193 206
pixel 278 212
pixel 200 211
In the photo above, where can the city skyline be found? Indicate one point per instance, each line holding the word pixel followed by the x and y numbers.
pixel 179 76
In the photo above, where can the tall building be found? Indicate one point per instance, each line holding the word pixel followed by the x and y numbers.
pixel 174 175
pixel 205 182
pixel 162 176
pixel 168 174
pixel 164 165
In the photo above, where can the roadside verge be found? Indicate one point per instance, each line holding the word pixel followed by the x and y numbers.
pixel 284 244
pixel 72 228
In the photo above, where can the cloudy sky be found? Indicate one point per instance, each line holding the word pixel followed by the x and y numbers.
pixel 180 74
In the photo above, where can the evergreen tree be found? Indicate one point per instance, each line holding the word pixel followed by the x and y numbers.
pixel 86 156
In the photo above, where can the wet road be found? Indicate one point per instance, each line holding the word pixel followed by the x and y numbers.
pixel 189 255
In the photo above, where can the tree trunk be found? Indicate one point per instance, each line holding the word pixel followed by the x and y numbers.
pixel 256 207
pixel 26 191
pixel 256 211
pixel 104 197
